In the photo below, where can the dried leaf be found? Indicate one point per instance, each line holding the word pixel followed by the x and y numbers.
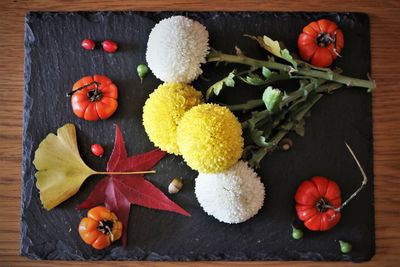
pixel 118 192
pixel 61 170
pixel 239 52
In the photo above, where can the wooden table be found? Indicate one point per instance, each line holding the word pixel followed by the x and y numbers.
pixel 385 20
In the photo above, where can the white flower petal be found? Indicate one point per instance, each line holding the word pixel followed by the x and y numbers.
pixel 176 48
pixel 233 196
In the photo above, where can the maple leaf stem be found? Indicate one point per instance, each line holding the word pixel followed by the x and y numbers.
pixel 126 173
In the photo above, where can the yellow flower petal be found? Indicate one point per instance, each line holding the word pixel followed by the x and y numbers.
pixel 210 138
pixel 163 111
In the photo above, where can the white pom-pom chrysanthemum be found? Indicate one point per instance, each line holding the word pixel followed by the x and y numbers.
pixel 176 48
pixel 233 196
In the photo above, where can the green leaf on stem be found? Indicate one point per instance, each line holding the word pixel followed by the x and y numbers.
pixel 218 86
pixel 267 73
pixel 258 138
pixel 256 157
pixel 229 81
pixel 299 128
pixel 272 76
pixel 249 105
pixel 293 120
pixel 285 54
pixel 258 116
pixel 274 48
pixel 272 99
pixel 254 79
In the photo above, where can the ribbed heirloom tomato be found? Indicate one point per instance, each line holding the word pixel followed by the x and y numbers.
pixel 320 42
pixel 316 202
pixel 100 228
pixel 94 97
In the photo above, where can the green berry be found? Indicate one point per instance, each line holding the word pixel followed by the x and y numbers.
pixel 345 247
pixel 142 71
pixel 297 234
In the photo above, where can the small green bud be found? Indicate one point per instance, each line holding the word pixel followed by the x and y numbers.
pixel 297 233
pixel 345 247
pixel 272 98
pixel 142 71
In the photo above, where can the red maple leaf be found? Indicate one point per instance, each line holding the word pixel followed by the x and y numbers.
pixel 118 192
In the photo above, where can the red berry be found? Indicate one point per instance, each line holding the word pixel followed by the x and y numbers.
pixel 88 44
pixel 109 46
pixel 97 150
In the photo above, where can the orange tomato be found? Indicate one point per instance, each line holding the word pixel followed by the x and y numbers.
pixel 100 228
pixel 94 97
pixel 320 42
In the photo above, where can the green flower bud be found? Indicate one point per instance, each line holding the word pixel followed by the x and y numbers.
pixel 297 233
pixel 142 71
pixel 345 247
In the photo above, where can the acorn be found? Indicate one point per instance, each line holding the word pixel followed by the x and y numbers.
pixel 286 144
pixel 175 186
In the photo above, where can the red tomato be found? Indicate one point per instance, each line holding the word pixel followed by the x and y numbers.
pixel 316 200
pixel 94 98
pixel 320 42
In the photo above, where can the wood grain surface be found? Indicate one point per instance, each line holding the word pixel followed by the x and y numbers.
pixel 385 34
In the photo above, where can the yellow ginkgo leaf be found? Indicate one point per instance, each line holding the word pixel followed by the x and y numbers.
pixel 61 170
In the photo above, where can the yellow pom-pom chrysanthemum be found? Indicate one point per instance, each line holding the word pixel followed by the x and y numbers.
pixel 210 138
pixel 163 111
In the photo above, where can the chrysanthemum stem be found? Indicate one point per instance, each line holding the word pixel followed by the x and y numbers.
pixel 216 56
pixel 273 143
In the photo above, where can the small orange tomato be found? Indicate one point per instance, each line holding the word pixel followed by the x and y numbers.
pixel 100 228
pixel 94 97
pixel 320 42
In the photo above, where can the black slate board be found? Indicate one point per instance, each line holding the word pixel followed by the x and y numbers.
pixel 54 61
